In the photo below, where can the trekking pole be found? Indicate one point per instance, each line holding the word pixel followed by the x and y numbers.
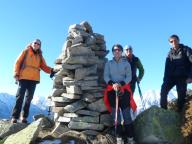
pixel 141 96
pixel 116 110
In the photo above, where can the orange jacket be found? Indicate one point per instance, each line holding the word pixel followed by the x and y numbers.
pixel 28 65
pixel 123 88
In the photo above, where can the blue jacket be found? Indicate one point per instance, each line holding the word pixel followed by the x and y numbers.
pixel 117 71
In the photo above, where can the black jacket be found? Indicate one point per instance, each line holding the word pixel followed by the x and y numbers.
pixel 179 63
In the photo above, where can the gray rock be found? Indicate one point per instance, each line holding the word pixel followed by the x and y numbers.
pixel 59 129
pixel 27 135
pixel 75 106
pixel 57 67
pixel 74 89
pixel 71 96
pixel 64 119
pixel 57 92
pixel 90 132
pixel 71 67
pixel 157 125
pixel 81 73
pixel 73 137
pixel 7 128
pixel 57 109
pixel 85 60
pixel 85 126
pixel 61 99
pixel 98 106
pixel 86 26
pixel 88 119
pixel 87 112
pixel 70 115
pixel 77 39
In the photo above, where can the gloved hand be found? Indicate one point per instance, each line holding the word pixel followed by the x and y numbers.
pixel 138 80
pixel 52 73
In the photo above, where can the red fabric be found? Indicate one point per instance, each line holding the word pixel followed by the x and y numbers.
pixel 123 88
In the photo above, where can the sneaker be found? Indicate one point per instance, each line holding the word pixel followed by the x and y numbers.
pixel 130 141
pixel 13 120
pixel 119 140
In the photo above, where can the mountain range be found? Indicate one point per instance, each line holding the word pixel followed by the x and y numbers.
pixel 39 104
pixel 7 101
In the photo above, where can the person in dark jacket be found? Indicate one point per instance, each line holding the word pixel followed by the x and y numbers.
pixel 177 72
pixel 135 65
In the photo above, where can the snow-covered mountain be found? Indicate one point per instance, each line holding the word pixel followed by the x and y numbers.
pixel 40 104
pixel 152 97
pixel 7 101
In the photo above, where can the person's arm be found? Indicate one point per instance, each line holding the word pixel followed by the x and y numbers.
pixel 106 74
pixel 189 56
pixel 189 53
pixel 44 66
pixel 167 68
pixel 140 69
pixel 128 76
pixel 19 62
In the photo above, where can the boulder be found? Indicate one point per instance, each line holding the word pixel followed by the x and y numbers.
pixel 27 135
pixel 157 125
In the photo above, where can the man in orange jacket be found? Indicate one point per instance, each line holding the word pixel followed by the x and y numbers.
pixel 27 73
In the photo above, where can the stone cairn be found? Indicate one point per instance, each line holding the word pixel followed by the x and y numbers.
pixel 77 95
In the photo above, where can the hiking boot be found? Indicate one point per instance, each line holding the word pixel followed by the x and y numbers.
pixel 130 141
pixel 13 120
pixel 119 140
pixel 24 120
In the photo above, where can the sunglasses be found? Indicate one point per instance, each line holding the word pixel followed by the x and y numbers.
pixel 37 43
pixel 171 41
pixel 116 50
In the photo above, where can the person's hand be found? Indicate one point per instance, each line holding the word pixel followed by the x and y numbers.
pixel 189 80
pixel 138 80
pixel 52 73
pixel 116 86
pixel 16 77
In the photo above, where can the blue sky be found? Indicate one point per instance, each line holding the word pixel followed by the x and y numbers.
pixel 146 25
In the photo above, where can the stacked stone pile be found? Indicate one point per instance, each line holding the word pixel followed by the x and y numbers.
pixel 77 94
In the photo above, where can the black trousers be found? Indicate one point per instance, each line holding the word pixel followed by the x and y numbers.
pixel 26 89
pixel 124 99
pixel 124 104
pixel 181 87
pixel 132 84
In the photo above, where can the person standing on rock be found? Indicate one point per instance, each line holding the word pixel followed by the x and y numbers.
pixel 118 96
pixel 135 65
pixel 178 72
pixel 27 75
